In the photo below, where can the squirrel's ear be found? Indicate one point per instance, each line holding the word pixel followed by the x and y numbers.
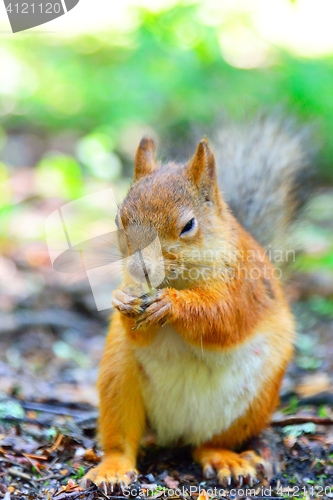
pixel 202 169
pixel 145 161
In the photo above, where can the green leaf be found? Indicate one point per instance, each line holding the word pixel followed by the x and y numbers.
pixel 10 408
pixel 59 176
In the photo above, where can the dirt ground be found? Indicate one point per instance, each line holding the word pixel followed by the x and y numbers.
pixel 51 342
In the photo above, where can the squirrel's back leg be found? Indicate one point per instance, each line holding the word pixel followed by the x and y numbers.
pixel 217 457
pixel 122 415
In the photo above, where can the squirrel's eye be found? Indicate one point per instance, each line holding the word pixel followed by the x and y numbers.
pixel 190 225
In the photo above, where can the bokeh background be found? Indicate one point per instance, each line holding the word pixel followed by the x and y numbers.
pixel 76 96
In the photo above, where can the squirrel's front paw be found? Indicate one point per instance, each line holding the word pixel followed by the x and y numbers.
pixel 158 310
pixel 115 469
pixel 128 303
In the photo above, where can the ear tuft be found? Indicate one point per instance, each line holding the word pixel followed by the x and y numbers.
pixel 202 170
pixel 145 161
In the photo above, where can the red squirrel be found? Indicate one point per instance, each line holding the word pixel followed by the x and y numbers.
pixel 201 356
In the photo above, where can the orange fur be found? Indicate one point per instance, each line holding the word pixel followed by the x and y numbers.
pixel 122 416
pixel 217 314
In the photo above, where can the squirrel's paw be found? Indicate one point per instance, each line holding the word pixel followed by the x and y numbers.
pixel 129 305
pixel 243 468
pixel 157 311
pixel 114 470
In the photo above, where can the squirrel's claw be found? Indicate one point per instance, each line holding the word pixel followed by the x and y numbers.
pixel 149 310
pixel 244 468
pixel 153 316
pixel 112 471
pixel 157 312
pixel 128 305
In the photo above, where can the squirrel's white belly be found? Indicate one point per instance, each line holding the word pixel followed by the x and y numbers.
pixel 193 394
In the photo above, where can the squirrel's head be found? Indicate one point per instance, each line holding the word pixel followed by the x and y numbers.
pixel 174 218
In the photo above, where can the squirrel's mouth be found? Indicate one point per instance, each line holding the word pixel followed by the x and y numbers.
pixel 155 271
pixel 185 274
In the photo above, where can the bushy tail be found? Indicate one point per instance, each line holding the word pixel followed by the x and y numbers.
pixel 265 169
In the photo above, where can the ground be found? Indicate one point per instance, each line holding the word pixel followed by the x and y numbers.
pixel 51 341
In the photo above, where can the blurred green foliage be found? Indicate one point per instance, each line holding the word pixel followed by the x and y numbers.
pixel 61 175
pixel 168 72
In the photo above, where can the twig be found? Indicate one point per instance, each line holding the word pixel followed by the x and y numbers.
pixel 63 495
pixel 60 410
pixel 56 318
pixel 18 473
pixel 322 398
pixel 23 420
pixel 301 420
pixel 32 456
pixel 55 445
pixel 46 478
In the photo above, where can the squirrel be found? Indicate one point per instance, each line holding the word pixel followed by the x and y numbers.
pixel 201 355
